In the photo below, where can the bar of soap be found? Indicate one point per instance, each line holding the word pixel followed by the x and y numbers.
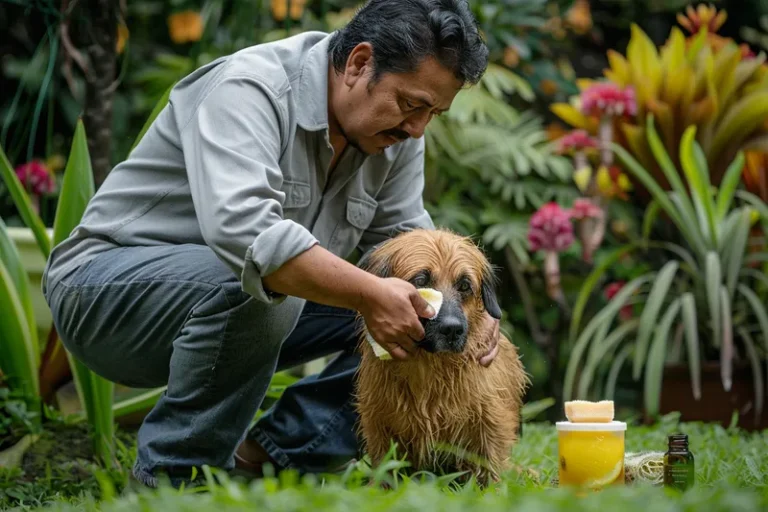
pixel 582 411
pixel 433 297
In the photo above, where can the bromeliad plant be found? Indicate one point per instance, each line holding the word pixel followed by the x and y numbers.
pixel 707 293
pixel 703 80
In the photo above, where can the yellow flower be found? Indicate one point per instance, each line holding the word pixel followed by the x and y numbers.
pixel 185 27
pixel 122 37
pixel 581 177
pixel 623 182
pixel 604 181
pixel 55 162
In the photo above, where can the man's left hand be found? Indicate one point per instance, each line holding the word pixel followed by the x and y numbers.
pixel 491 327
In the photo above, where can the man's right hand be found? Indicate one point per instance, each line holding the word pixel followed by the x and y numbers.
pixel 391 311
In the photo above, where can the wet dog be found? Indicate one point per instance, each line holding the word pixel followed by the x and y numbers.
pixel 444 410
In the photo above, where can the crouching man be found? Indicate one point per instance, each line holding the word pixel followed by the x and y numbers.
pixel 215 254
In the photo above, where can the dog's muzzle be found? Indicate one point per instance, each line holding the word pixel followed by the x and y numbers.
pixel 448 331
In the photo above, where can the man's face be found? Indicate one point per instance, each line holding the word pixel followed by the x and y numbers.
pixel 373 116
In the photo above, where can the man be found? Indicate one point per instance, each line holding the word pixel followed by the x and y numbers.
pixel 215 254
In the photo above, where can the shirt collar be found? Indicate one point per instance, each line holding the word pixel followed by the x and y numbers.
pixel 312 99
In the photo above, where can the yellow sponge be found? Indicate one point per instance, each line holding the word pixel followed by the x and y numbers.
pixel 582 411
pixel 433 297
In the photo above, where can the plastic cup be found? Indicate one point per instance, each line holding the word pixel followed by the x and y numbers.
pixel 591 455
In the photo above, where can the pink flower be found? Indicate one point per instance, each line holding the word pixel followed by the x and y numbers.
pixel 34 176
pixel 550 229
pixel 584 209
pixel 610 292
pixel 606 98
pixel 575 141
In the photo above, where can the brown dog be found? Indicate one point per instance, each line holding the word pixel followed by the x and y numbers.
pixel 441 396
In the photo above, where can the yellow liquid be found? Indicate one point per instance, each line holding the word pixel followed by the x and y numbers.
pixel 591 460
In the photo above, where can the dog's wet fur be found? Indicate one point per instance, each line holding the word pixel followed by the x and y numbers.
pixel 441 396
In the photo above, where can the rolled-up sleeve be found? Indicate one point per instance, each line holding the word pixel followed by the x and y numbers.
pixel 400 204
pixel 231 149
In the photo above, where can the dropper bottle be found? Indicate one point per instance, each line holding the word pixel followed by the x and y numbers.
pixel 679 466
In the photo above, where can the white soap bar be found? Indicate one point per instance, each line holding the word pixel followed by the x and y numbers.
pixel 433 297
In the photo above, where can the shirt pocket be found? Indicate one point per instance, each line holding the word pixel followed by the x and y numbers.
pixel 298 195
pixel 359 214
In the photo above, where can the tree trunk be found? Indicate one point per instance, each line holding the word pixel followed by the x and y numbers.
pixel 100 41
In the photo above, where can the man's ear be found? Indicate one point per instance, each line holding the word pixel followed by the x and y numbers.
pixel 374 263
pixel 489 298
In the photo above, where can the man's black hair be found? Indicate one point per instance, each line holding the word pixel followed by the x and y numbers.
pixel 405 32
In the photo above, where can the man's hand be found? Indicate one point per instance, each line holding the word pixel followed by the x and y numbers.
pixel 491 326
pixel 391 311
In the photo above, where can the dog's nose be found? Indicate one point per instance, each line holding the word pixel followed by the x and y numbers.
pixel 452 328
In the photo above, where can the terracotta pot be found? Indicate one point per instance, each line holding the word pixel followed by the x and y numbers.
pixel 716 405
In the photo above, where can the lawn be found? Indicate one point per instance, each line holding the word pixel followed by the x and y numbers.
pixel 731 474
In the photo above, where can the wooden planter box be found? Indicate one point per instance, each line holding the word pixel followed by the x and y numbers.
pixel 715 404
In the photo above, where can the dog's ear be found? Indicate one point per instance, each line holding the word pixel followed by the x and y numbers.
pixel 489 298
pixel 374 263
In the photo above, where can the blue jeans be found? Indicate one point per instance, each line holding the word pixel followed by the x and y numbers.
pixel 176 315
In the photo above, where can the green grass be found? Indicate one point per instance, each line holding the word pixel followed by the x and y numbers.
pixel 731 474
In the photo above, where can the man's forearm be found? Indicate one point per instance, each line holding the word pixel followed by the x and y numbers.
pixel 320 276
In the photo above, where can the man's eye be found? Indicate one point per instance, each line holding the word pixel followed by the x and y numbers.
pixel 409 105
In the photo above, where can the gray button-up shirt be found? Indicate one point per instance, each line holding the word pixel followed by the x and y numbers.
pixel 239 160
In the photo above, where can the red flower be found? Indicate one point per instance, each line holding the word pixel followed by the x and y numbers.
pixel 606 98
pixel 610 292
pixel 550 229
pixel 584 208
pixel 575 141
pixel 34 176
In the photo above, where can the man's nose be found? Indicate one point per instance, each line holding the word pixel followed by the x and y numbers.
pixel 415 124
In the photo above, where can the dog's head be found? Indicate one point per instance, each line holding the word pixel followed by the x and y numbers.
pixel 451 264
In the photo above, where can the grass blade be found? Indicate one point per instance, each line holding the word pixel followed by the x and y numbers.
pixel 77 187
pixel 692 342
pixel 19 279
pixel 651 312
pixel 654 370
pixel 757 372
pixel 17 352
pixel 605 314
pixel 731 180
pixel 613 373
pixel 138 403
pixel 24 205
pixel 714 279
pixel 726 350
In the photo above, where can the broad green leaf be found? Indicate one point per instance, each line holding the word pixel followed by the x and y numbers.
pixel 649 218
pixel 591 282
pixel 698 180
pixel 18 360
pixel 656 299
pixel 599 351
pixel 757 371
pixel 654 370
pixel 666 165
pixel 10 257
pixel 692 342
pixel 77 187
pixel 159 106
pixel 755 202
pixel 613 373
pixel 24 205
pixel 660 196
pixel 731 180
pixel 758 308
pixel 726 349
pixel 742 119
pixel 713 276
pixel 605 314
pixel 734 252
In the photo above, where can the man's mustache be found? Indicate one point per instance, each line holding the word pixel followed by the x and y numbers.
pixel 396 133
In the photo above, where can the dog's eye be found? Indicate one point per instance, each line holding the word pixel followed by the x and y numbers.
pixel 420 280
pixel 465 286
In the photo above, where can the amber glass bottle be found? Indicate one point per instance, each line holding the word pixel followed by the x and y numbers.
pixel 679 467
